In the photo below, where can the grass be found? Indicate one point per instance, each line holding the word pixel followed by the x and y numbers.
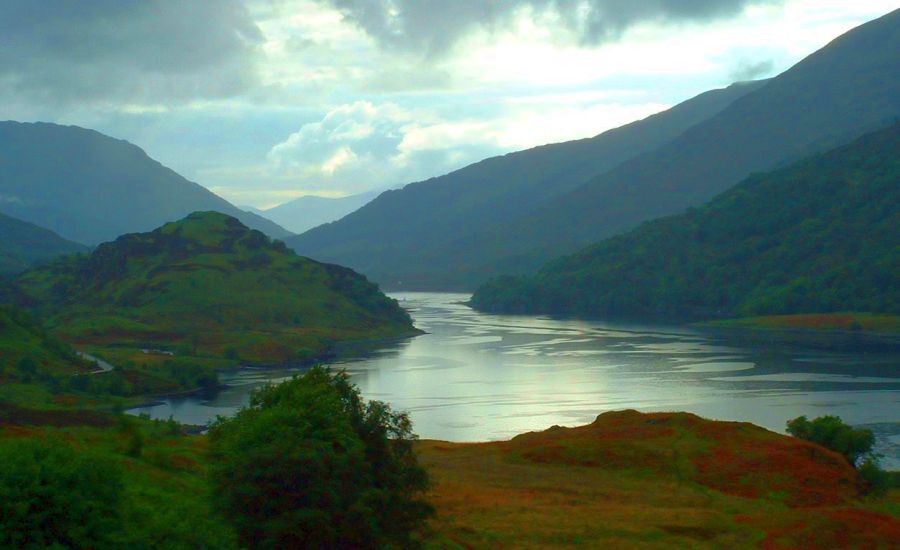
pixel 847 321
pixel 629 480
pixel 634 480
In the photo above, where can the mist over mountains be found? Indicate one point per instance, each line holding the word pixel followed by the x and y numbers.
pixel 304 213
pixel 90 188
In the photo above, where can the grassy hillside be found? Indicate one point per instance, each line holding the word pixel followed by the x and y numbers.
pixel 28 351
pixel 91 188
pixel 207 287
pixel 416 237
pixel 22 245
pixel 662 480
pixel 628 480
pixel 848 88
pixel 820 236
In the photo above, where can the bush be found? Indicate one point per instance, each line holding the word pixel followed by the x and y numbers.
pixel 52 496
pixel 833 433
pixel 877 481
pixel 310 464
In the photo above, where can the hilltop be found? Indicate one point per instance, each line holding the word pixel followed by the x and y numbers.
pixel 208 286
pixel 819 236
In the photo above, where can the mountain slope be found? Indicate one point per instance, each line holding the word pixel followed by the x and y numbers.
pixel 90 188
pixel 208 286
pixel 836 94
pixel 822 235
pixel 849 87
pixel 304 213
pixel 27 351
pixel 22 245
pixel 411 237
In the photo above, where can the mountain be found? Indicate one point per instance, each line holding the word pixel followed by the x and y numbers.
pixel 90 188
pixel 23 245
pixel 208 286
pixel 836 94
pixel 304 213
pixel 849 87
pixel 412 237
pixel 822 235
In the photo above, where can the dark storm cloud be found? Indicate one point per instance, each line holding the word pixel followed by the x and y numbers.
pixel 434 25
pixel 154 51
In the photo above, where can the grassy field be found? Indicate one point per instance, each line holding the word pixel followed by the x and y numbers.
pixel 629 480
pixel 634 480
pixel 848 321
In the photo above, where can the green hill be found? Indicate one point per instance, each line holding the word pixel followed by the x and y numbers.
pixel 822 235
pixel 415 237
pixel 23 245
pixel 90 188
pixel 207 287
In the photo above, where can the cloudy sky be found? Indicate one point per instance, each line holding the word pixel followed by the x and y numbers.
pixel 266 100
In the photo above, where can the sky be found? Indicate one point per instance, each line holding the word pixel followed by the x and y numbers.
pixel 263 101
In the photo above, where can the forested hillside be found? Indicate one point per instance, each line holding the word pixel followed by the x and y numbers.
pixel 822 235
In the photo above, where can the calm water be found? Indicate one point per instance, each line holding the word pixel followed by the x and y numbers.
pixel 482 377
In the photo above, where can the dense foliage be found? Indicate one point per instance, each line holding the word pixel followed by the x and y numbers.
pixel 51 496
pixel 819 236
pixel 208 286
pixel 833 433
pixel 310 464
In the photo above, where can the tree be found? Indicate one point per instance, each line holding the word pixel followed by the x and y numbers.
pixel 53 496
pixel 309 463
pixel 833 433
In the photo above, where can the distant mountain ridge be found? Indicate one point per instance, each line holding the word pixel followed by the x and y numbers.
pixel 820 236
pixel 304 213
pixel 24 245
pixel 849 87
pixel 410 237
pixel 90 188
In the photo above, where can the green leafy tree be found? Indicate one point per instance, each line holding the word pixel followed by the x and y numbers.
pixel 310 464
pixel 53 496
pixel 833 433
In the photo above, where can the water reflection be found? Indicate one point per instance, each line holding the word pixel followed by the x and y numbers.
pixel 481 377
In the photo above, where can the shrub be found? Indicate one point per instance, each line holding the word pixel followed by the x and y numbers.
pixel 52 496
pixel 310 464
pixel 833 433
pixel 877 481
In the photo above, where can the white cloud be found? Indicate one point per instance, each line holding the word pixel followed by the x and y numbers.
pixel 292 99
